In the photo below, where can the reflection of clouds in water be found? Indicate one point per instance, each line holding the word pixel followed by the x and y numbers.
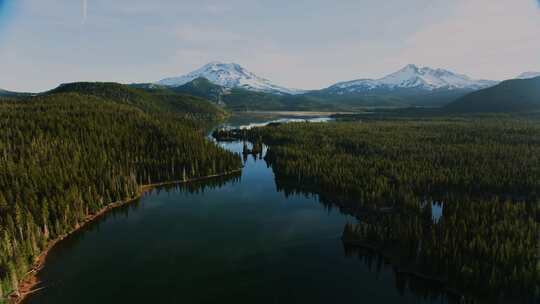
pixel 437 211
pixel 437 208
pixel 303 225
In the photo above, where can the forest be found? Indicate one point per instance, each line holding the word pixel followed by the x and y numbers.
pixel 483 172
pixel 68 153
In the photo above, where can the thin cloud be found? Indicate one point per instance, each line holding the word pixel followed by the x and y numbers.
pixel 84 11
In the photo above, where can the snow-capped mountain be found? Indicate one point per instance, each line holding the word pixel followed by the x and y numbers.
pixel 413 77
pixel 528 75
pixel 229 75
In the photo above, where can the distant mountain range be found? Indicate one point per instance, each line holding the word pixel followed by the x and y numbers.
pixel 229 75
pixel 528 75
pixel 231 86
pixel 516 95
pixel 239 88
pixel 232 75
pixel 410 86
pixel 412 77
pixel 4 93
pixel 241 99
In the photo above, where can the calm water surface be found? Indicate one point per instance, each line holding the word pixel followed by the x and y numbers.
pixel 231 240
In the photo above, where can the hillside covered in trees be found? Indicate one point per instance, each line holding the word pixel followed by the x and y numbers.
pixel 156 100
pixel 517 95
pixel 483 173
pixel 67 154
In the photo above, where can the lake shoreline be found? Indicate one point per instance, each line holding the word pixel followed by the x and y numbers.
pixel 293 113
pixel 28 284
pixel 400 268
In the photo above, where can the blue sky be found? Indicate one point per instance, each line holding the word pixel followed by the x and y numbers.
pixel 296 43
pixel 6 12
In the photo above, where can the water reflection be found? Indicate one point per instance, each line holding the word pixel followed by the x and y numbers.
pixel 414 232
pixel 200 186
pixel 285 120
pixel 251 237
pixel 377 263
pixel 437 208
pixel 407 284
pixel 248 122
pixel 125 211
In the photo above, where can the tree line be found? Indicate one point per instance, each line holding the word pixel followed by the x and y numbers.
pixel 484 170
pixel 65 155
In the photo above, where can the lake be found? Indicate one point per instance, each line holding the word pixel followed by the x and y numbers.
pixel 235 239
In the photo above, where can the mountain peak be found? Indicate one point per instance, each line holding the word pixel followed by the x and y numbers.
pixel 410 66
pixel 414 77
pixel 223 65
pixel 229 75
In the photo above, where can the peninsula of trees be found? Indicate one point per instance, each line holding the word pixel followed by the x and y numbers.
pixel 483 172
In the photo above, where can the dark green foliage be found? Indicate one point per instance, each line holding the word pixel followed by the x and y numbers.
pixel 484 247
pixel 203 88
pixel 244 100
pixel 157 100
pixel 484 171
pixel 388 98
pixel 518 95
pixel 422 156
pixel 238 99
pixel 64 156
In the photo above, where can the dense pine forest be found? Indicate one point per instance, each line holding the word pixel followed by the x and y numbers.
pixel 69 153
pixel 157 100
pixel 483 172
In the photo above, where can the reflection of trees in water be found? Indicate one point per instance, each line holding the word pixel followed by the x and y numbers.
pixel 200 186
pixel 255 156
pixel 71 241
pixel 256 150
pixel 345 204
pixel 349 205
pixel 195 187
pixel 423 289
pixel 479 255
pixel 469 251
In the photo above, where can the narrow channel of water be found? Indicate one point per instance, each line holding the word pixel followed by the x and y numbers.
pixel 235 239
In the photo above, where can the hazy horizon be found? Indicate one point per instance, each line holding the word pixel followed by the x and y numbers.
pixel 299 45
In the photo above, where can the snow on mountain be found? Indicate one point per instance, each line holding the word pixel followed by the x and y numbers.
pixel 528 75
pixel 229 75
pixel 413 77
